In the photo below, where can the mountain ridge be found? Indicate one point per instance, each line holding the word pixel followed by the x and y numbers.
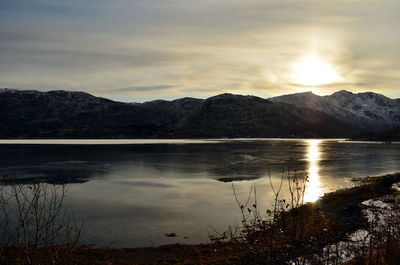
pixel 66 114
pixel 367 110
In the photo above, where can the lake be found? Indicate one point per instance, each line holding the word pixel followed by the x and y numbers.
pixel 131 192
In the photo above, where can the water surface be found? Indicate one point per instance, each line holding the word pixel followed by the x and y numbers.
pixel 131 192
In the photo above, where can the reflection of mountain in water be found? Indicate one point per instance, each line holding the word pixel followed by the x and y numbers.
pixel 63 172
pixel 52 178
pixel 50 164
pixel 236 179
pixel 224 161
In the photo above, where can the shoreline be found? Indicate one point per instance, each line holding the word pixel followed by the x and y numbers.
pixel 173 141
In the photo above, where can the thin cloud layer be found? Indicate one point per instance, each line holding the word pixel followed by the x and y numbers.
pixel 146 49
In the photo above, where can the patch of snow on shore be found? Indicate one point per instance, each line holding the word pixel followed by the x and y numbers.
pixel 396 186
pixel 377 204
pixel 378 213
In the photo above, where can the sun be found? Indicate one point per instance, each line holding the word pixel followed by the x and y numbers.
pixel 313 71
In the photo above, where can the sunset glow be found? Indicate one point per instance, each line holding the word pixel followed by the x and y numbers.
pixel 313 71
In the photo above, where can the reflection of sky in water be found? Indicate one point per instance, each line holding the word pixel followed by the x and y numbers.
pixel 133 194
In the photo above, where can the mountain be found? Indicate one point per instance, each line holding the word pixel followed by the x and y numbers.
pixel 389 135
pixel 370 111
pixel 230 115
pixel 64 114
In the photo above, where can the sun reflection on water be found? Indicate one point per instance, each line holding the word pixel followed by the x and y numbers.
pixel 313 189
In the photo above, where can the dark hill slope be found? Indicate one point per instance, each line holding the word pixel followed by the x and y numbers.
pixel 392 134
pixel 230 115
pixel 63 114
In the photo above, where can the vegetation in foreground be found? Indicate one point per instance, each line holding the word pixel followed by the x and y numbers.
pixel 291 233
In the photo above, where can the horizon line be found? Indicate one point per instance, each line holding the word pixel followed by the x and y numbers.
pixel 205 98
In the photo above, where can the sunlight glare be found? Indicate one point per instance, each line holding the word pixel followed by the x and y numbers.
pixel 313 189
pixel 312 70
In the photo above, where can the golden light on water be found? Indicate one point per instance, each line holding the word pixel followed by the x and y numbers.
pixel 313 71
pixel 313 189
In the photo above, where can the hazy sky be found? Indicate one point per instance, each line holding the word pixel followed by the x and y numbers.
pixel 136 50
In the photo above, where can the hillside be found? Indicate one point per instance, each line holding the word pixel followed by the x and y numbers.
pixel 64 114
pixel 389 135
pixel 370 111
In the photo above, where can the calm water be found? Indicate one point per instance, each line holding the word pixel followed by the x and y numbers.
pixel 131 192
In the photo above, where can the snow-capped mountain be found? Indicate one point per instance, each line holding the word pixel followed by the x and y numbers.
pixel 370 111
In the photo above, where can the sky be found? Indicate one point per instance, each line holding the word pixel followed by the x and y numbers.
pixel 139 50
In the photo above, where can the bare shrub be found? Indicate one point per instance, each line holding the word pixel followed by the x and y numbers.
pixel 290 232
pixel 35 225
pixel 294 232
pixel 383 244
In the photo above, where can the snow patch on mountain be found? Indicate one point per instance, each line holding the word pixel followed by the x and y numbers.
pixel 370 111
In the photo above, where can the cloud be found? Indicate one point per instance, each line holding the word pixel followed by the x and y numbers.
pixel 201 47
pixel 142 88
